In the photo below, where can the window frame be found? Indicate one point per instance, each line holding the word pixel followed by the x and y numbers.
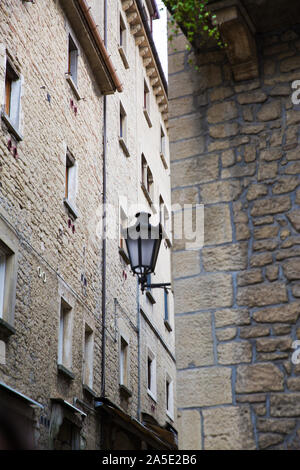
pixel 13 88
pixel 124 362
pixel 152 378
pixel 169 396
pixel 65 335
pixel 88 357
pixel 71 183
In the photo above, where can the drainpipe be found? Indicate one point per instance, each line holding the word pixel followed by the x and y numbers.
pixel 103 304
pixel 104 227
pixel 139 350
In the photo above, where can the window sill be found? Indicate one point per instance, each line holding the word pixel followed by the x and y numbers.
pixel 123 255
pixel 6 330
pixel 150 297
pixel 124 147
pixel 10 127
pixel 168 326
pixel 170 416
pixel 163 159
pixel 73 86
pixel 66 372
pixel 88 390
pixel 146 114
pixel 71 208
pixel 167 238
pixel 125 391
pixel 151 395
pixel 123 57
pixel 147 196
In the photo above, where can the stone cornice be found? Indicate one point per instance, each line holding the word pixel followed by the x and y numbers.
pixel 148 52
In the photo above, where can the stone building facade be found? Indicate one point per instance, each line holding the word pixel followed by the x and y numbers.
pixel 82 97
pixel 234 134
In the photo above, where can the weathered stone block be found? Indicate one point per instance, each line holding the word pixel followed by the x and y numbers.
pixel 291 269
pixel 259 378
pixel 285 404
pixel 185 263
pixel 262 294
pixel 239 171
pixel 256 190
pixel 226 334
pixel 272 272
pixel 207 387
pixel 210 291
pixel 293 384
pixel 186 148
pixel 294 218
pixel 250 153
pixel 231 257
pixel 222 112
pixel 249 277
pixel 284 314
pixel 252 97
pixel 273 344
pixel 220 191
pixel 228 317
pixel 271 154
pixel 194 170
pixel 269 112
pixel 221 93
pixel 266 440
pixel 267 171
pixel 220 131
pixel 266 232
pixel 228 158
pixel 217 224
pixel 234 352
pixel 228 428
pixel 185 196
pixel 284 426
pixel 194 342
pixel 261 260
pixel 290 64
pixel 285 184
pixel 254 331
pixel 271 206
pixel 189 430
pixel 185 127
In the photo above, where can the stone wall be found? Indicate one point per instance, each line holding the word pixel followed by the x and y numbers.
pixel 235 149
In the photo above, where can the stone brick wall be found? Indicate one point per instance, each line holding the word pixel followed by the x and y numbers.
pixel 31 203
pixel 235 149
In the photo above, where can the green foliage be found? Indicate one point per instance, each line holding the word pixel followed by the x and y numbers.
pixel 195 19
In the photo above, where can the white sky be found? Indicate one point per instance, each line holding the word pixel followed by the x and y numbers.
pixel 160 36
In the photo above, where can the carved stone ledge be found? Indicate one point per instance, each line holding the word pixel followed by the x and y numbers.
pixel 237 32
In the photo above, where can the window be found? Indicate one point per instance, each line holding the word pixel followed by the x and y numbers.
pixel 161 211
pixel 169 397
pixel 8 278
pixel 146 107
pixel 147 180
pixel 162 141
pixel 72 60
pixel 70 183
pixel 167 309
pixel 151 375
pixel 123 362
pixel 2 280
pixel 146 96
pixel 88 357
pixel 123 130
pixel 12 103
pixel 123 42
pixel 65 336
pixel 122 225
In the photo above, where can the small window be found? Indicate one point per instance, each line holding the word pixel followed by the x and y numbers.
pixel 151 375
pixel 144 170
pixel 88 357
pixel 146 97
pixel 122 123
pixel 149 182
pixel 3 257
pixel 70 184
pixel 124 362
pixel 167 309
pixel 169 397
pixel 12 95
pixel 161 211
pixel 72 60
pixel 122 225
pixel 65 335
pixel 122 38
pixel 162 142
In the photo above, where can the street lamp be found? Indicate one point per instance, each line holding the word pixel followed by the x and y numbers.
pixel 143 242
